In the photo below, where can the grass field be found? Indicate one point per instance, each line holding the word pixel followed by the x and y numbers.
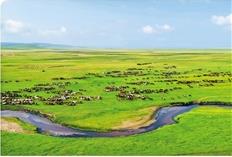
pixel 101 90
pixel 203 131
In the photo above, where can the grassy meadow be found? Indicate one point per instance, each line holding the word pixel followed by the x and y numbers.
pixel 114 89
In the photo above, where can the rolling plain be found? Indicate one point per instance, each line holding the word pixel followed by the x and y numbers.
pixel 105 90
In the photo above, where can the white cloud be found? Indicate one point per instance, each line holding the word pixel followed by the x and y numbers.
pixel 222 20
pixel 20 28
pixel 148 29
pixel 166 28
pixel 13 26
pixel 59 31
pixel 2 1
pixel 63 29
pixel 157 29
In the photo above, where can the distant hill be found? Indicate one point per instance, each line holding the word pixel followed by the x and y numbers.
pixel 11 45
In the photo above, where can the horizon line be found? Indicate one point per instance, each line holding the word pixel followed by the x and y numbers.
pixel 71 46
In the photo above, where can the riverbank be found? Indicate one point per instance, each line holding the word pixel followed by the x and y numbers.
pixel 202 131
pixel 164 116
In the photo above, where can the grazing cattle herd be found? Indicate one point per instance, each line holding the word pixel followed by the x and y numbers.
pixel 132 87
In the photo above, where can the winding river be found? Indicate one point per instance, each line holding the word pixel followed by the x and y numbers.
pixel 164 116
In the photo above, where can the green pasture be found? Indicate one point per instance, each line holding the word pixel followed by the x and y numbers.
pixel 203 131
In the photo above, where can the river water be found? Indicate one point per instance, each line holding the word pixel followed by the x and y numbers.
pixel 164 116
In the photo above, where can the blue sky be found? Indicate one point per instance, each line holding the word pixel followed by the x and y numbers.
pixel 119 23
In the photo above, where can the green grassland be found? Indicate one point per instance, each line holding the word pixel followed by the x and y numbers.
pixel 203 131
pixel 187 75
